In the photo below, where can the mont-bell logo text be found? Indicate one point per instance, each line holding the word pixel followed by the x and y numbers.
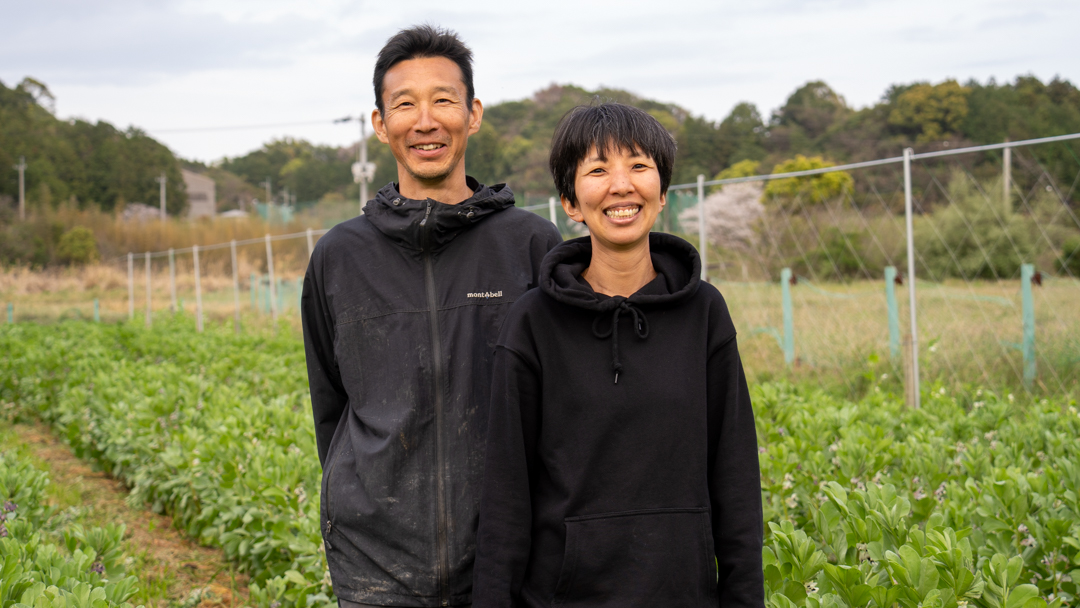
pixel 484 294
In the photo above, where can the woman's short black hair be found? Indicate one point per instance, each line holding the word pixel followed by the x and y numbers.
pixel 419 42
pixel 607 126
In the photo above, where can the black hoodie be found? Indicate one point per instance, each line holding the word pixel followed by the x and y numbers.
pixel 401 309
pixel 621 455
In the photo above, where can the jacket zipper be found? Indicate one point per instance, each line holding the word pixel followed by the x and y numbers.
pixel 443 565
pixel 329 512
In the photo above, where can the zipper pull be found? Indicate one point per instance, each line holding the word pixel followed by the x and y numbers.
pixel 329 525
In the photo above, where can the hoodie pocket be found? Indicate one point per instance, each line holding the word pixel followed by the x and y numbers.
pixel 655 557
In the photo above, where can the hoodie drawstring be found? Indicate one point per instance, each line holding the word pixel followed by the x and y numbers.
pixel 641 328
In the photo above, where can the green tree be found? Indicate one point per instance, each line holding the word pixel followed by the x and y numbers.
pixel 77 246
pixel 931 112
pixel 812 188
pixel 812 110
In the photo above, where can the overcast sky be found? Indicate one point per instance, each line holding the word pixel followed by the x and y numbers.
pixel 164 65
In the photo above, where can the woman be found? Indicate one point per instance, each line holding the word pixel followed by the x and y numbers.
pixel 621 466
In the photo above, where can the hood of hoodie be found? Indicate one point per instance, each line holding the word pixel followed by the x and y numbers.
pixel 677 265
pixel 405 221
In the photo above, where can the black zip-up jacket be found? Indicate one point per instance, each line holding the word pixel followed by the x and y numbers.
pixel 622 455
pixel 401 310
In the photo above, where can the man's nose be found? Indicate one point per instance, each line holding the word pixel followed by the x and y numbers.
pixel 425 121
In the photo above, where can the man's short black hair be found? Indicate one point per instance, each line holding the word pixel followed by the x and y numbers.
pixel 607 126
pixel 419 42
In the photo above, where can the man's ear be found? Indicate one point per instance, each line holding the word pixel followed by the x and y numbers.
pixel 379 126
pixel 476 116
pixel 572 211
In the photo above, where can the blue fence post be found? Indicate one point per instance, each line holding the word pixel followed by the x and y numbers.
pixel 1027 273
pixel 894 313
pixel 789 318
pixel 10 313
pixel 97 311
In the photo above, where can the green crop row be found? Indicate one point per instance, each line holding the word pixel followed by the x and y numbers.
pixel 211 428
pixel 970 501
pixel 45 560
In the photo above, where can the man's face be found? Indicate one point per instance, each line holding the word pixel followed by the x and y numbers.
pixel 427 121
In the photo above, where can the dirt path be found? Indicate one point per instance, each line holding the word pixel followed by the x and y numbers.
pixel 172 570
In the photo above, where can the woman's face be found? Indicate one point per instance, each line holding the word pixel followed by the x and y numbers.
pixel 618 197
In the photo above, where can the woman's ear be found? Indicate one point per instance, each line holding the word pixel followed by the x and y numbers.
pixel 571 210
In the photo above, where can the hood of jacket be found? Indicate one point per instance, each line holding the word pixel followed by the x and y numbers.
pixel 677 265
pixel 428 225
pixel 678 271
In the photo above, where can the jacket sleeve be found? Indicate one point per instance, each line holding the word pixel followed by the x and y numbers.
pixel 503 540
pixel 734 481
pixel 328 397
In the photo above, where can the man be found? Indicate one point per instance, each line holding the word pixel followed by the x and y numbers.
pixel 401 310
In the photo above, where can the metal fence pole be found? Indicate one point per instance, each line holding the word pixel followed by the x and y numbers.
pixel 172 279
pixel 97 311
pixel 894 312
pixel 299 292
pixel 552 212
pixel 270 272
pixel 789 316
pixel 702 244
pixel 148 313
pixel 198 290
pixel 1027 273
pixel 131 286
pixel 1006 180
pixel 10 313
pixel 235 286
pixel 253 286
pixel 908 220
pixel 310 243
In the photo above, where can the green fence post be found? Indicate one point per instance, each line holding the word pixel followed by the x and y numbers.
pixel 264 284
pixel 789 320
pixel 97 311
pixel 1027 272
pixel 299 291
pixel 254 287
pixel 180 307
pixel 278 283
pixel 10 313
pixel 894 313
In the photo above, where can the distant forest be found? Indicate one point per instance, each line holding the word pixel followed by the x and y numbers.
pixel 99 165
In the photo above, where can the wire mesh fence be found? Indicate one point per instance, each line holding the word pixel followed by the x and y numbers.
pixel 820 269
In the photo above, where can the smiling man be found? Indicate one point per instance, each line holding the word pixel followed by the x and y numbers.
pixel 401 310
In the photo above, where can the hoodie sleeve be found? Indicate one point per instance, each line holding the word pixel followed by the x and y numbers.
pixel 328 397
pixel 734 480
pixel 503 539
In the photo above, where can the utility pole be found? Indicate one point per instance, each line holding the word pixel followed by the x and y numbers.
pixel 266 183
pixel 363 171
pixel 162 180
pixel 21 167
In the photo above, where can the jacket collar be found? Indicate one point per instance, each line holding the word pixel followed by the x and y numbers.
pixel 428 225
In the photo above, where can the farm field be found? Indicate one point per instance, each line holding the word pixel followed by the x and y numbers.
pixel 974 500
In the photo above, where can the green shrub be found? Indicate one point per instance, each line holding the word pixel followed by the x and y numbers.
pixel 1069 262
pixel 77 246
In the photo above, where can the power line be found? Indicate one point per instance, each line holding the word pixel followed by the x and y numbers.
pixel 243 127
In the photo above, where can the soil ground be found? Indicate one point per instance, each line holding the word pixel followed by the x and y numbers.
pixel 173 571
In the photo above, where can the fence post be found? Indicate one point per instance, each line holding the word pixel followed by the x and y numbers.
pixel 198 290
pixel 172 280
pixel 894 313
pixel 702 244
pixel 97 311
pixel 270 272
pixel 253 286
pixel 148 313
pixel 916 397
pixel 551 211
pixel 264 292
pixel 789 317
pixel 1006 180
pixel 131 286
pixel 1027 273
pixel 299 292
pixel 10 313
pixel 279 291
pixel 235 287
pixel 310 243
